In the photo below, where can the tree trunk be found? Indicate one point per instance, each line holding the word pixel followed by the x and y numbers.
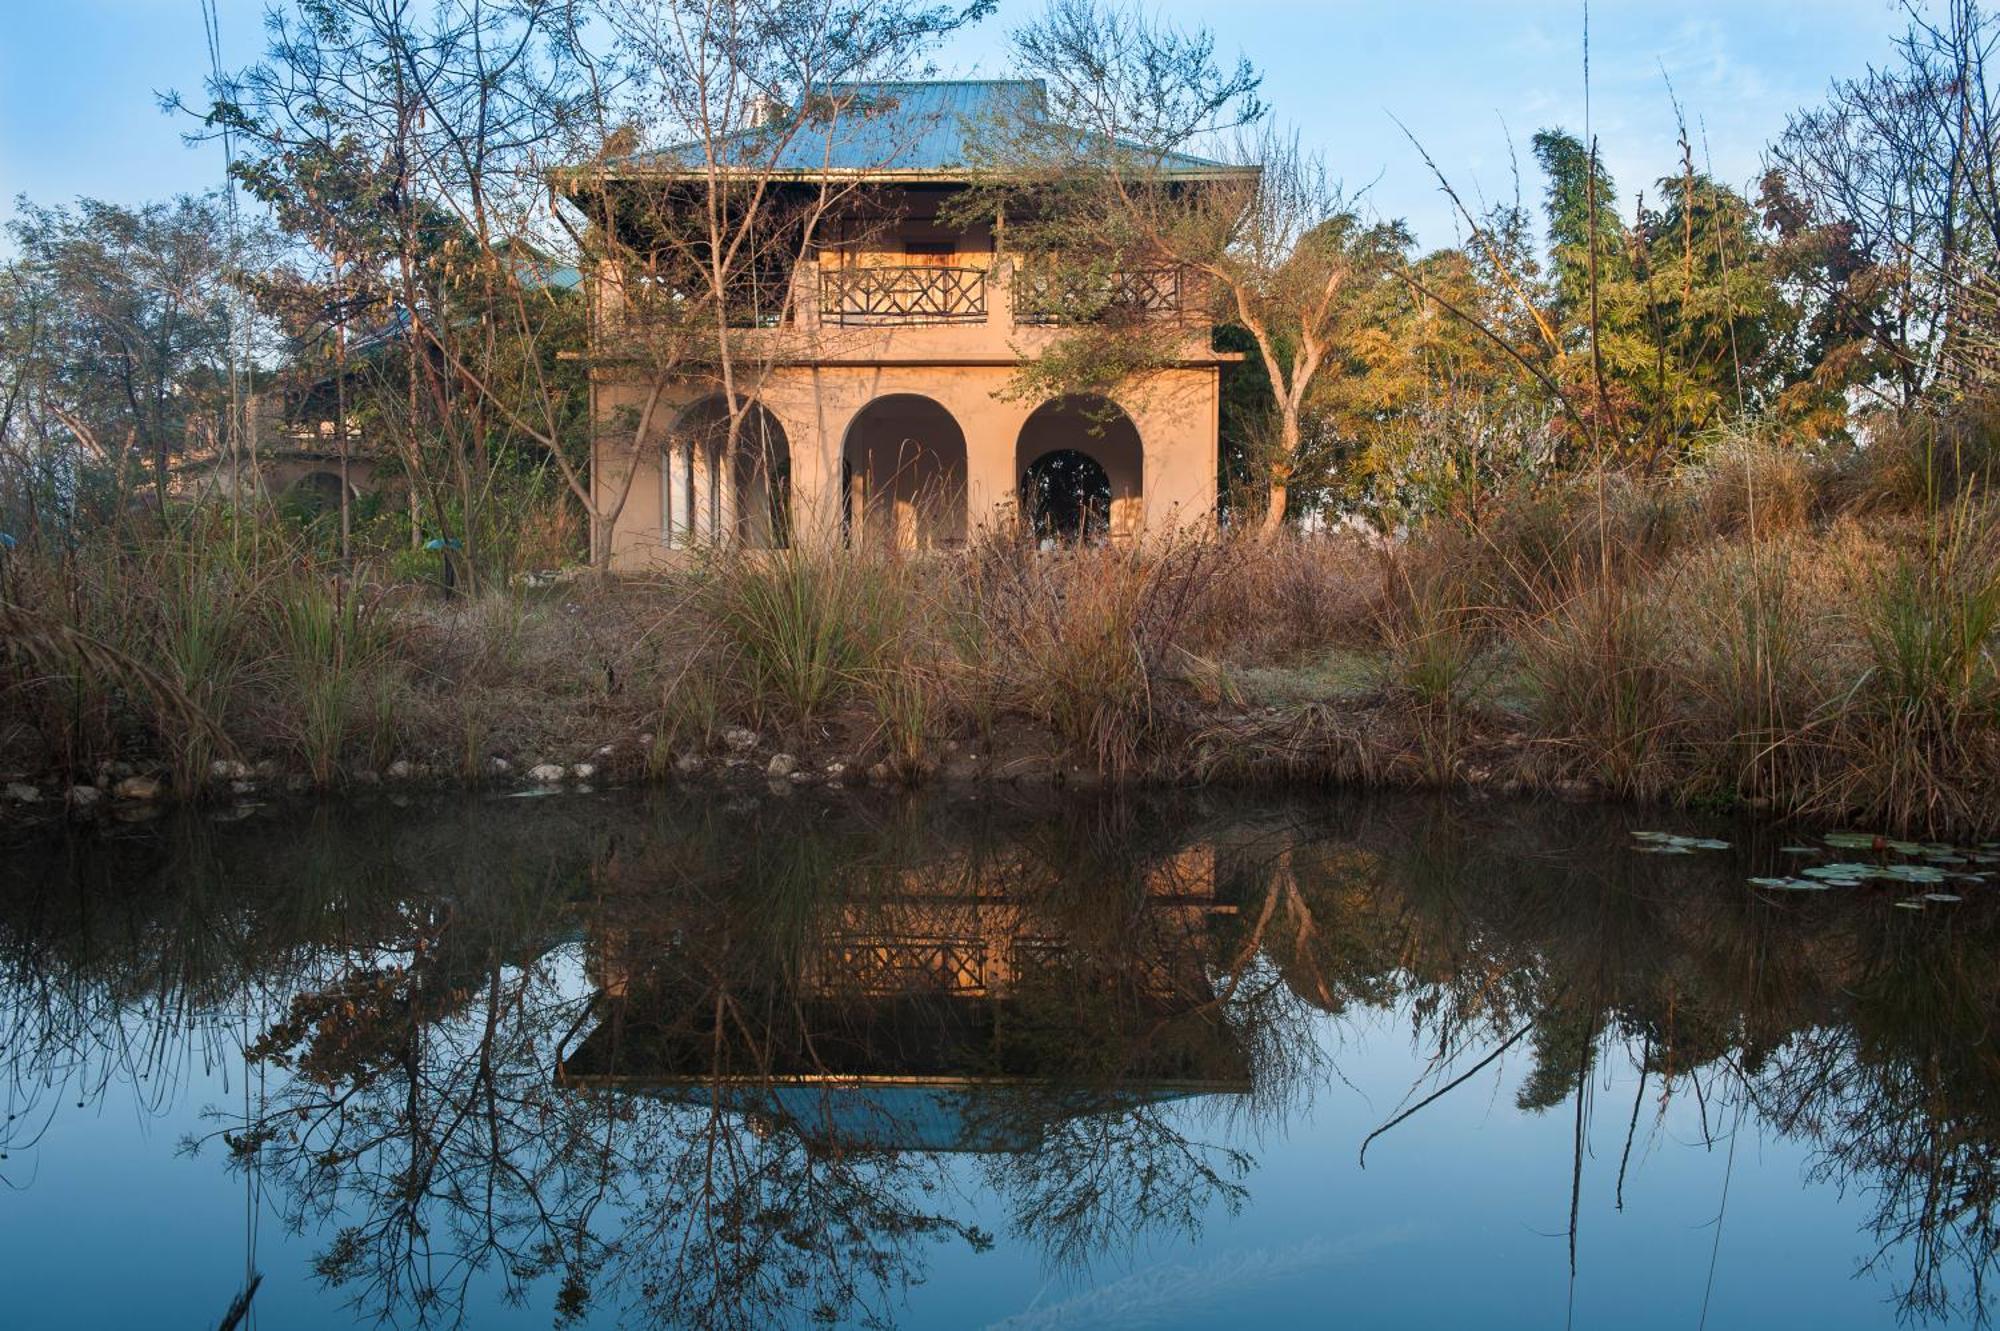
pixel 1281 475
pixel 1274 509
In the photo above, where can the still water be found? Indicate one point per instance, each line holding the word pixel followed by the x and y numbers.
pixel 638 1061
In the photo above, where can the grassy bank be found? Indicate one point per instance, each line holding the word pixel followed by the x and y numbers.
pixel 1761 630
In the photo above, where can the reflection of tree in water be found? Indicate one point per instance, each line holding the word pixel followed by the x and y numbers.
pixel 1858 1027
pixel 773 1046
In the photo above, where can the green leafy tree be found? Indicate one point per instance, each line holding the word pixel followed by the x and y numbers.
pixel 125 317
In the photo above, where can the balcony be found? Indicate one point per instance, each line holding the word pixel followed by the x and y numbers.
pixel 1046 298
pixel 867 313
pixel 874 296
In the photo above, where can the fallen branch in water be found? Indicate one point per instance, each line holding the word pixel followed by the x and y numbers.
pixel 1451 1085
pixel 239 1308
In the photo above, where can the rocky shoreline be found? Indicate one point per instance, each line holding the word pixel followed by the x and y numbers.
pixel 1309 747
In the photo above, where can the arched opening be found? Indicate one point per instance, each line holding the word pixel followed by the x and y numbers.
pixel 903 476
pixel 314 494
pixel 1081 470
pixel 1065 496
pixel 711 494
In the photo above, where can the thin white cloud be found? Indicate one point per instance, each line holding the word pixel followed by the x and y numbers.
pixel 1167 1294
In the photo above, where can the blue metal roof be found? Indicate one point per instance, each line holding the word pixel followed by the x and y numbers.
pixel 922 129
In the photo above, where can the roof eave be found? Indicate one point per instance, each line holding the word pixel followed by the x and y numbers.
pixel 580 178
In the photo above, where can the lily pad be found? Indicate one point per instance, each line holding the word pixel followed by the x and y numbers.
pixel 1909 905
pixel 1910 873
pixel 1676 843
pixel 1791 884
pixel 1942 896
pixel 1853 840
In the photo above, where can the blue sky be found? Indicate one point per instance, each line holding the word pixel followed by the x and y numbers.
pixel 78 80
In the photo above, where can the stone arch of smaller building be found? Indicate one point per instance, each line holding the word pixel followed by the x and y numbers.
pixel 316 492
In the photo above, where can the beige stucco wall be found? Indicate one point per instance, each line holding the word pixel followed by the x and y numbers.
pixel 818 379
pixel 1174 412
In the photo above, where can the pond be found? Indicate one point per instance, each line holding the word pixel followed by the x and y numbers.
pixel 637 1060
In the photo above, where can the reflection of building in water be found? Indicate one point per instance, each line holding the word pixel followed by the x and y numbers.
pixel 967 934
pixel 945 1010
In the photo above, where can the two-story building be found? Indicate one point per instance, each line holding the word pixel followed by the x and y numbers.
pixel 881 372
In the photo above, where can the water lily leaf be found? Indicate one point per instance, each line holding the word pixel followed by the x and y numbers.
pixel 1792 884
pixel 1852 840
pixel 1910 905
pixel 1664 850
pixel 1798 850
pixel 1674 842
pixel 1850 871
pixel 1911 873
pixel 1942 896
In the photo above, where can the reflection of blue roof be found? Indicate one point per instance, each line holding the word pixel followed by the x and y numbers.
pixel 904 1118
pixel 979 1117
pixel 889 129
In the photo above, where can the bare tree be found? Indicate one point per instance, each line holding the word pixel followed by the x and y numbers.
pixel 1108 182
pixel 408 146
pixel 1908 156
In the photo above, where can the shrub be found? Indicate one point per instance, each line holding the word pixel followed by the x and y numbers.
pixel 1927 462
pixel 1083 637
pixel 1433 658
pixel 1596 662
pixel 1752 487
pixel 1919 735
pixel 800 626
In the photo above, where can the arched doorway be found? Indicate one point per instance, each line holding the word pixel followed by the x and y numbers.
pixel 1081 470
pixel 903 476
pixel 1066 496
pixel 743 498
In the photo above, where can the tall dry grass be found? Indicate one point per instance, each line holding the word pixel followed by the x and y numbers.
pixel 1810 634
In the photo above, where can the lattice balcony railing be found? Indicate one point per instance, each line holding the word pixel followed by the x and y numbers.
pixel 892 965
pixel 1053 297
pixel 925 294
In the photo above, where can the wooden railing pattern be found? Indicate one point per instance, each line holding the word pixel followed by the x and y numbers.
pixel 1053 297
pixel 919 294
pixel 894 965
